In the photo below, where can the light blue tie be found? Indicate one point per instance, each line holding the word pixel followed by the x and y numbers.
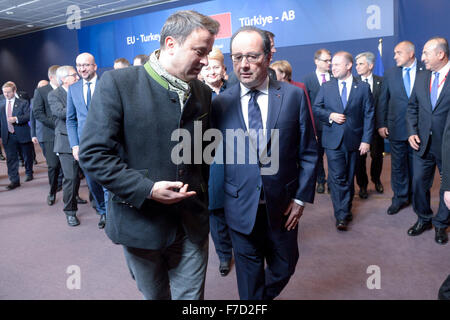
pixel 434 90
pixel 407 82
pixel 88 96
pixel 344 94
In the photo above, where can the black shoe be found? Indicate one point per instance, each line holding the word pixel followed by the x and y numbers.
pixel 395 208
pixel 22 163
pixel 363 193
pixel 28 178
pixel 102 222
pixel 441 236
pixel 224 267
pixel 419 228
pixel 80 200
pixel 2 157
pixel 72 220
pixel 341 225
pixel 35 161
pixel 379 187
pixel 349 217
pixel 13 185
pixel 320 188
pixel 51 198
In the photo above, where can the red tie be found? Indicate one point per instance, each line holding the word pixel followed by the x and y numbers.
pixel 9 113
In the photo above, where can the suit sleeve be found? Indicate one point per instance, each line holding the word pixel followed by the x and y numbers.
pixel 382 107
pixel 412 114
pixel 307 155
pixel 57 106
pixel 32 122
pixel 446 156
pixel 71 120
pixel 24 117
pixel 368 117
pixel 39 110
pixel 101 143
pixel 319 107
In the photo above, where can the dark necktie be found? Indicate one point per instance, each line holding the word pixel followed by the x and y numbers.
pixel 88 96
pixel 344 94
pixel 367 81
pixel 434 90
pixel 407 82
pixel 254 117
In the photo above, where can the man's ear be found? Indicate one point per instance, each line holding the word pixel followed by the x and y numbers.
pixel 169 44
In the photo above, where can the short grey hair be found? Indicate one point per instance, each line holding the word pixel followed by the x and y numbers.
pixel 62 72
pixel 370 57
pixel 182 23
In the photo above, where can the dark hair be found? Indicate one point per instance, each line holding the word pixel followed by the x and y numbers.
pixel 262 33
pixel 143 58
pixel 182 23
pixel 319 52
pixel 123 61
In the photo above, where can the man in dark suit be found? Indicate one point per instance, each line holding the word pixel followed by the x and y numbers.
pixel 57 99
pixel 427 112
pixel 313 81
pixel 43 113
pixel 364 66
pixel 79 98
pixel 345 107
pixel 15 133
pixel 264 198
pixel 398 83
pixel 128 146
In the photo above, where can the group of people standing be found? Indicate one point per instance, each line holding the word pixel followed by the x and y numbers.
pixel 125 136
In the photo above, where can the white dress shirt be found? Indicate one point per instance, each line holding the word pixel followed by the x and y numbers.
pixel 369 81
pixel 319 76
pixel 442 75
pixel 412 74
pixel 93 82
pixel 348 84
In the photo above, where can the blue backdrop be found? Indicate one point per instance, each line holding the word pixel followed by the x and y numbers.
pixel 301 27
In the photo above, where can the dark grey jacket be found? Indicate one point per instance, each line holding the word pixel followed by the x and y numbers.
pixel 57 100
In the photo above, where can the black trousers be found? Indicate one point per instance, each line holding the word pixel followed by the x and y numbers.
pixel 53 164
pixel 71 181
pixel 376 165
pixel 12 157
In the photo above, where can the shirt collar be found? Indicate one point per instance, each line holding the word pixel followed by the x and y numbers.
pixel 444 70
pixel 370 77
pixel 93 80
pixel 413 66
pixel 263 88
pixel 348 81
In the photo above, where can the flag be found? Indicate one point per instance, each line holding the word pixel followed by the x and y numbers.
pixel 379 68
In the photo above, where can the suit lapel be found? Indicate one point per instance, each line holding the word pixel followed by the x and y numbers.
pixel 338 94
pixel 428 88
pixel 399 80
pixel 444 89
pixel 236 107
pixel 274 107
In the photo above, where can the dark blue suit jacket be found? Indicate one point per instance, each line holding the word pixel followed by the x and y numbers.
pixel 21 110
pixel 313 86
pixel 295 178
pixel 422 120
pixel 393 102
pixel 446 156
pixel 359 112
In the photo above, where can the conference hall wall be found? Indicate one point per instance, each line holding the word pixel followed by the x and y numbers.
pixel 301 27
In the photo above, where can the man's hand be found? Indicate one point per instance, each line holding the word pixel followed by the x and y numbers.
pixel 294 211
pixel 447 199
pixel 75 151
pixel 414 141
pixel 166 192
pixel 12 119
pixel 339 118
pixel 364 148
pixel 35 140
pixel 383 132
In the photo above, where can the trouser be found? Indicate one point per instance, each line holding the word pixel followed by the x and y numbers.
pixel 401 171
pixel 376 165
pixel 53 164
pixel 97 193
pixel 71 181
pixel 424 169
pixel 12 157
pixel 321 176
pixel 341 172
pixel 220 234
pixel 278 249
pixel 175 272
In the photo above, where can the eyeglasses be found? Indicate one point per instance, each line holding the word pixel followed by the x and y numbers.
pixel 251 57
pixel 72 75
pixel 84 65
pixel 325 60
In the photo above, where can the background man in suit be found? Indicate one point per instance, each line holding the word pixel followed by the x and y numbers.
pixel 364 66
pixel 398 83
pixel 37 134
pixel 445 186
pixel 140 60
pixel 260 209
pixel 127 146
pixel 427 112
pixel 120 63
pixel 57 99
pixel 15 133
pixel 313 81
pixel 43 113
pixel 79 98
pixel 345 107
